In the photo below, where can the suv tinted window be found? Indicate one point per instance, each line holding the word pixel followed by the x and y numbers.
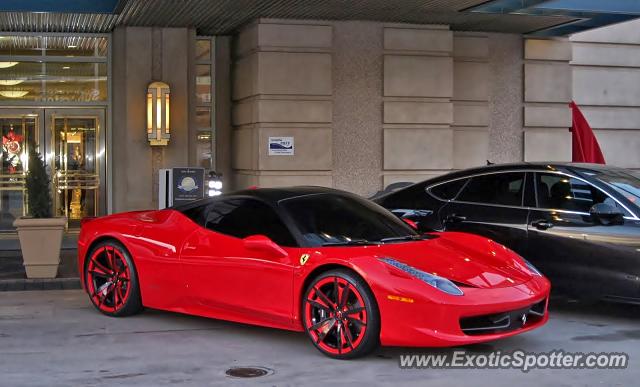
pixel 241 218
pixel 448 191
pixel 625 182
pixel 566 193
pixel 498 188
pixel 412 197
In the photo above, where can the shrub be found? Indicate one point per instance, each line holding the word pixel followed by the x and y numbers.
pixel 38 191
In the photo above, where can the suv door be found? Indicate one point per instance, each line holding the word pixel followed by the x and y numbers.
pixel 573 249
pixel 224 276
pixel 491 205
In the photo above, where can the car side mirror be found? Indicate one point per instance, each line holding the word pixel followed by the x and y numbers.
pixel 414 218
pixel 264 244
pixel 606 214
pixel 411 223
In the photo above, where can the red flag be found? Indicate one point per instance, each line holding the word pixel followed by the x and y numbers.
pixel 585 144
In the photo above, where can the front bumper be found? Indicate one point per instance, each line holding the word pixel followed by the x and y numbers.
pixel 437 319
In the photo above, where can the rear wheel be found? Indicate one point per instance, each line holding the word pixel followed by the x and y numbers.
pixel 111 280
pixel 340 315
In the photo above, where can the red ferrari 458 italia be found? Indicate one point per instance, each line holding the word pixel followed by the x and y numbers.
pixel 344 270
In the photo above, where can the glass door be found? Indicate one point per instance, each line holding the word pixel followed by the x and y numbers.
pixel 75 138
pixel 19 129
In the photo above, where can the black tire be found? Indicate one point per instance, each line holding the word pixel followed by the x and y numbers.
pixel 132 303
pixel 370 338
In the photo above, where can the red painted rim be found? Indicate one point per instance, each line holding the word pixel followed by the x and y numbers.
pixel 335 315
pixel 108 279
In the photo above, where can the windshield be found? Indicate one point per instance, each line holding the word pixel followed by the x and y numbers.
pixel 626 183
pixel 329 219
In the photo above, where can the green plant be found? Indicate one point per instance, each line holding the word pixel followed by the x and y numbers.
pixel 37 181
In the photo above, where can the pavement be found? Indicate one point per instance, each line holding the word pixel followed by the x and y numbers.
pixel 57 338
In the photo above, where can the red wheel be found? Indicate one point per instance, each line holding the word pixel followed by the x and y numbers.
pixel 111 280
pixel 340 315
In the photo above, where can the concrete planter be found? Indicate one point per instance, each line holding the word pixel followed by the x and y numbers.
pixel 40 241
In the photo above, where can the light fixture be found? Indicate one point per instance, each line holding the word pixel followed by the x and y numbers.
pixel 13 93
pixel 72 46
pixel 214 184
pixel 66 67
pixel 6 65
pixel 158 120
pixel 11 82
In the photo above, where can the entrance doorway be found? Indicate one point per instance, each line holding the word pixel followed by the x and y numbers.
pixel 72 143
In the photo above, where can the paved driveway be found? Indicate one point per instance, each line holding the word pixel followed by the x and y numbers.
pixel 56 338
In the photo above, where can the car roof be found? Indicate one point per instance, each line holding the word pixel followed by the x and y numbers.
pixel 269 195
pixel 274 195
pixel 576 168
pixel 547 166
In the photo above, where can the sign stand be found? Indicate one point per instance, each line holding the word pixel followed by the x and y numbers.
pixel 180 185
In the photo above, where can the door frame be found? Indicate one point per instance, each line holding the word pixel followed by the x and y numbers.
pixel 36 113
pixel 50 114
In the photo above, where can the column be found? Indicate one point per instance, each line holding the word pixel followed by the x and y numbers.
pixel 417 108
pixel 282 87
pixel 547 92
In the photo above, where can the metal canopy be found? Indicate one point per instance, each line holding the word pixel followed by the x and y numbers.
pixel 214 17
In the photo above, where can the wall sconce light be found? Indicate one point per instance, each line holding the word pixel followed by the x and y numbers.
pixel 158 106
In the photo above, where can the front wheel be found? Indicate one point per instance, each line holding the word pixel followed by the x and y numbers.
pixel 340 315
pixel 111 280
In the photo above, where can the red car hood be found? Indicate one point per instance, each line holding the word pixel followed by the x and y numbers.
pixel 483 264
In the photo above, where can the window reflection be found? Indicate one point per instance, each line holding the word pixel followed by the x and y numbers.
pixel 18 133
pixel 53 45
pixel 204 102
pixel 21 45
pixel 32 68
pixel 203 117
pixel 570 194
pixel 203 50
pixel 71 46
pixel 203 83
pixel 75 173
pixel 203 145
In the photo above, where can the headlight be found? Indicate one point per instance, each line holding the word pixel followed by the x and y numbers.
pixel 442 284
pixel 533 269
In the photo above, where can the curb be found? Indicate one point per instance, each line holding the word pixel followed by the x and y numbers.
pixel 17 285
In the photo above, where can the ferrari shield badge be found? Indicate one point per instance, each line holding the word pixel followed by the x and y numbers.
pixel 303 259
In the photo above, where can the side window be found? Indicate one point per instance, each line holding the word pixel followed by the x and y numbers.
pixel 197 214
pixel 447 191
pixel 241 218
pixel 566 193
pixel 498 188
pixel 412 197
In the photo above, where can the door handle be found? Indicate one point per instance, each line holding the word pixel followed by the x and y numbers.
pixel 188 246
pixel 542 224
pixel 455 218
